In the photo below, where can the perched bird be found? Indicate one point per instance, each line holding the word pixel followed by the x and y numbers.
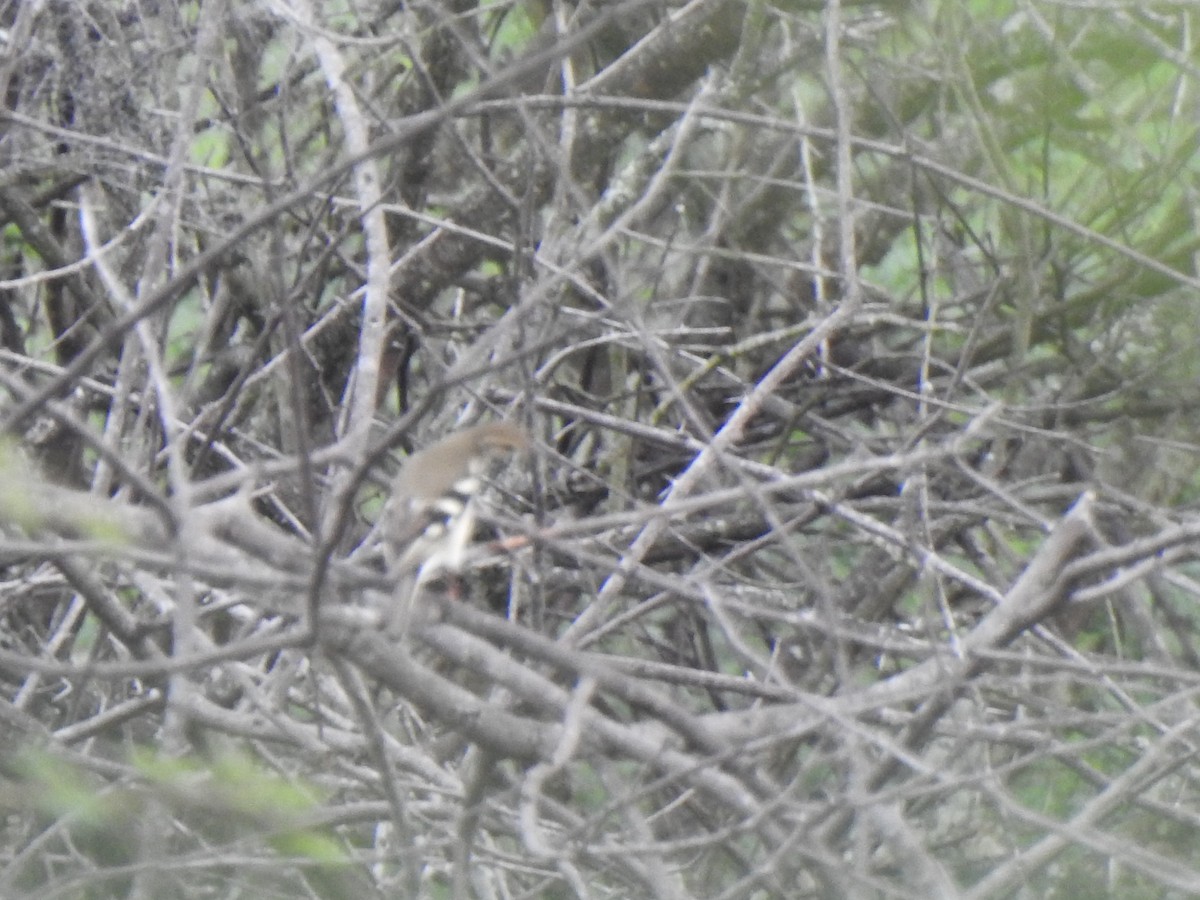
pixel 428 522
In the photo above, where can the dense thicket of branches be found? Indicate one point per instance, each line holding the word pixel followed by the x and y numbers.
pixel 856 553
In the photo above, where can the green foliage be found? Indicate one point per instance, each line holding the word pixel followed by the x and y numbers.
pixel 228 802
pixel 1079 115
pixel 232 785
pixel 518 25
pixel 29 502
pixel 185 328
pixel 60 789
pixel 17 503
pixel 210 148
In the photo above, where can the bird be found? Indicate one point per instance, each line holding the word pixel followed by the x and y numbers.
pixel 429 520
